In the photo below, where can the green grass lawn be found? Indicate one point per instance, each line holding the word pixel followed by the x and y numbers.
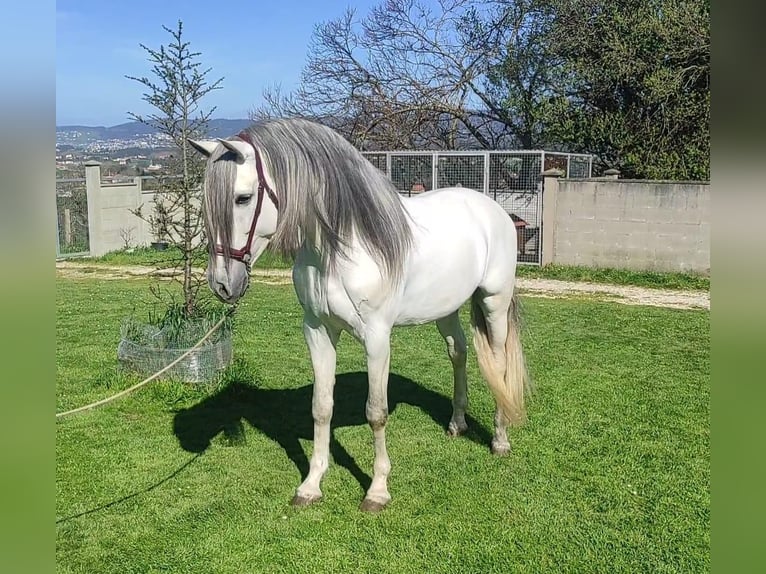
pixel 610 474
pixel 651 279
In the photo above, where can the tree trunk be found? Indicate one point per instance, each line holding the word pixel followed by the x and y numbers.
pixel 188 289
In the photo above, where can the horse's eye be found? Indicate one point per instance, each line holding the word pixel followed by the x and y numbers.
pixel 243 199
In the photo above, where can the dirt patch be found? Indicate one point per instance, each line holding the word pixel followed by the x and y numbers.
pixel 625 294
pixel 105 271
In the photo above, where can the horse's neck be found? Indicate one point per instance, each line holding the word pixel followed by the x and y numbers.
pixel 354 256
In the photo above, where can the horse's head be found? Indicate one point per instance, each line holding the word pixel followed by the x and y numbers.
pixel 241 211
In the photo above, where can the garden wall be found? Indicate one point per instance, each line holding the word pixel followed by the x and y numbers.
pixel 111 223
pixel 627 224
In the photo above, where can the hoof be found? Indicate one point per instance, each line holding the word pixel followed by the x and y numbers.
pixel 304 500
pixel 455 429
pixel 500 449
pixel 369 505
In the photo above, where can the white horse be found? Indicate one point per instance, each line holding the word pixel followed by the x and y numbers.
pixel 365 260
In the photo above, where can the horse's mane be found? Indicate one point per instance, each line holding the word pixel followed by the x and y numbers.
pixel 325 187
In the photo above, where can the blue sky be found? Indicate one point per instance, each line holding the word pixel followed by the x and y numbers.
pixel 252 44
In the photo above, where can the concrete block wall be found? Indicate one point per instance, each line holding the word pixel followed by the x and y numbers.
pixel 109 212
pixel 625 224
pixel 117 202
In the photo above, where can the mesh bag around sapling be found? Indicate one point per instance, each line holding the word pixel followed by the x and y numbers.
pixel 146 349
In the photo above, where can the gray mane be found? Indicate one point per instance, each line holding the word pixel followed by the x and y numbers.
pixel 323 184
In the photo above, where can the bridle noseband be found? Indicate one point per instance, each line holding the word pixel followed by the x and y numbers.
pixel 244 254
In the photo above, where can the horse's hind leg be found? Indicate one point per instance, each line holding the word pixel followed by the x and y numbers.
pixel 450 329
pixel 493 323
pixel 321 341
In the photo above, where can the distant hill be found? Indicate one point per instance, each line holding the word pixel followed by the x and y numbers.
pixel 216 128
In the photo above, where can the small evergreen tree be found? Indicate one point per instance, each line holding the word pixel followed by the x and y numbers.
pixel 176 92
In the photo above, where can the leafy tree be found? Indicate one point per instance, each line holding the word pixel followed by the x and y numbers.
pixel 176 90
pixel 634 84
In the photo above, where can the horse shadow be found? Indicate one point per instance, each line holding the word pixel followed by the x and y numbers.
pixel 284 415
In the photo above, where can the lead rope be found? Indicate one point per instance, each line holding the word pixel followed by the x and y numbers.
pixel 204 338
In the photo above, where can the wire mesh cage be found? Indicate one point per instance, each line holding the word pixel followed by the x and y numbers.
pixel 146 349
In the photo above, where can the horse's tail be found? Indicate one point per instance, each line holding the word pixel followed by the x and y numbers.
pixel 508 387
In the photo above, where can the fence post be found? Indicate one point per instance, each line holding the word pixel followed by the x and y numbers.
pixel 93 193
pixel 434 171
pixel 67 226
pixel 550 192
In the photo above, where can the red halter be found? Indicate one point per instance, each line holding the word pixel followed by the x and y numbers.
pixel 244 254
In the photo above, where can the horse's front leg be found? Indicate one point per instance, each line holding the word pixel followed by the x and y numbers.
pixel 321 341
pixel 377 345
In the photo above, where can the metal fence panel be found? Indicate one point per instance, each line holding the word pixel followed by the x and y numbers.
pixel 515 183
pixel 580 166
pixel 71 218
pixel 464 170
pixel 379 160
pixel 412 173
pixel 510 177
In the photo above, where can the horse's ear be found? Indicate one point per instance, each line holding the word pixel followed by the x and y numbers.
pixel 205 147
pixel 234 147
